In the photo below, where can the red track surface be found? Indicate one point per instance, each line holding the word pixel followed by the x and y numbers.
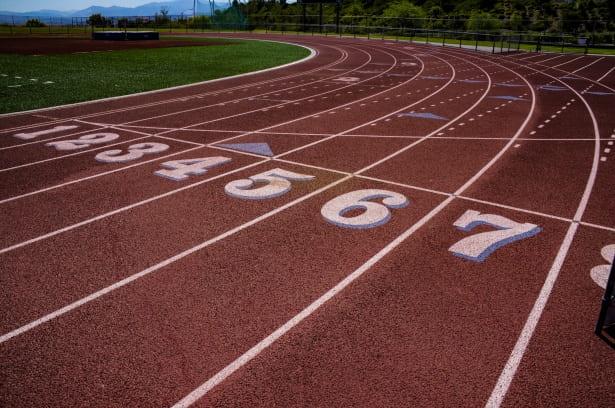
pixel 122 288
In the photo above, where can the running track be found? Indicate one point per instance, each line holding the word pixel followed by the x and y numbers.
pixel 465 282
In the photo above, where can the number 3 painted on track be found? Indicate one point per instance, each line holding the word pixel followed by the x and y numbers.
pixel 478 247
pixel 374 214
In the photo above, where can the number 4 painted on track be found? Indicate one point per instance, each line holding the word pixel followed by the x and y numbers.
pixel 478 247
pixel 179 170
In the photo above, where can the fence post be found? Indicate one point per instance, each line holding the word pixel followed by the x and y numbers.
pixel 476 38
pixel 562 34
pixel 443 37
pixel 12 24
pixel 493 49
pixel 427 38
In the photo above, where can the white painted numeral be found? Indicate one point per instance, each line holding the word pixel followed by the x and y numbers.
pixel 181 169
pixel 34 135
pixel 278 183
pixel 84 141
pixel 373 215
pixel 135 151
pixel 600 273
pixel 478 247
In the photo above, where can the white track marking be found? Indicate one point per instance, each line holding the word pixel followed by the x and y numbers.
pixel 131 278
pixel 93 130
pixel 204 388
pixel 239 87
pixel 605 75
pixel 588 65
pixel 313 53
pixel 257 97
pixel 251 132
pixel 512 365
pixel 564 63
pixel 162 264
pixel 70 154
pixel 34 135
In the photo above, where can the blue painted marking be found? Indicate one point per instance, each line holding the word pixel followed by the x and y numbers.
pixel 510 85
pixel 508 98
pixel 256 148
pixel 552 88
pixel 569 77
pixel 433 77
pixel 424 115
pixel 496 245
pixel 599 93
pixel 472 81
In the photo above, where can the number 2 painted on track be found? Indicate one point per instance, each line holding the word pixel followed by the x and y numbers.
pixel 135 151
pixel 84 141
pixel 278 183
pixel 478 247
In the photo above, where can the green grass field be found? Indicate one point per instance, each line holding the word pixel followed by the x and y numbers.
pixel 82 77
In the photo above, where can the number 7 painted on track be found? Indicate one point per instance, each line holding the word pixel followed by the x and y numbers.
pixel 478 247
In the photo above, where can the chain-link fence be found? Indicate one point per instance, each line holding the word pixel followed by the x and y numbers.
pixel 232 20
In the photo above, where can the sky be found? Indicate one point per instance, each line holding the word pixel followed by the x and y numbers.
pixel 32 5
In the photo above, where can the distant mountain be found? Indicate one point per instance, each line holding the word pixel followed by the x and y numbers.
pixel 175 8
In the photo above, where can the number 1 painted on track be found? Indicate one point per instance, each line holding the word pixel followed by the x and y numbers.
pixel 478 247
pixel 34 135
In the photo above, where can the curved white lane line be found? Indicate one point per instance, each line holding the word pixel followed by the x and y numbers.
pixel 313 53
pixel 512 365
pixel 246 357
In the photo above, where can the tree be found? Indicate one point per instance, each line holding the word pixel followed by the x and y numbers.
pixel 97 20
pixel 482 21
pixel 404 14
pixel 34 22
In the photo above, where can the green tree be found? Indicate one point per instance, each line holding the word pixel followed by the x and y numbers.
pixel 97 20
pixel 404 14
pixel 482 21
pixel 34 22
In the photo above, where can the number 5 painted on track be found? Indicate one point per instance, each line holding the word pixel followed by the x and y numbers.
pixel 374 214
pixel 478 247
pixel 278 183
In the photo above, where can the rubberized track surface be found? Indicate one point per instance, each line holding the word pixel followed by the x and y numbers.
pixel 463 281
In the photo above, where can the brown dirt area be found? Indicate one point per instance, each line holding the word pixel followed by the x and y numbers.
pixel 44 46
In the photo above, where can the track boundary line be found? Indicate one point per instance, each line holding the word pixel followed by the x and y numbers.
pixel 507 374
pixel 313 53
pixel 250 132
pixel 246 357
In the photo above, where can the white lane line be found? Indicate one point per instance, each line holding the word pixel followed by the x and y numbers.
pixel 131 278
pixel 74 154
pixel 244 87
pixel 162 264
pixel 512 365
pixel 313 53
pixel 95 129
pixel 605 75
pixel 564 63
pixel 240 135
pixel 255 97
pixel 245 358
pixel 588 65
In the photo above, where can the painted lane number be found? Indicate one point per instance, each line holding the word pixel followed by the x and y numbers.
pixel 84 141
pixel 278 183
pixel 179 170
pixel 135 151
pixel 34 135
pixel 374 214
pixel 478 247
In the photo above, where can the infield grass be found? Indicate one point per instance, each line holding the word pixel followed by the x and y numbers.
pixel 30 82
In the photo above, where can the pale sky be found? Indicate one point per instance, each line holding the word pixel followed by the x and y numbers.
pixel 32 5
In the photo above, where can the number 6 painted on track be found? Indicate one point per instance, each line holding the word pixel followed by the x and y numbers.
pixel 374 214
pixel 278 184
pixel 478 247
